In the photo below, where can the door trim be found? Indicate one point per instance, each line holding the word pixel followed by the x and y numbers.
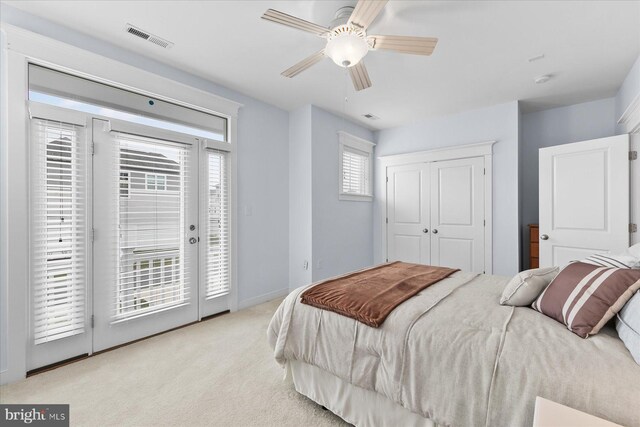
pixel 630 119
pixel 482 149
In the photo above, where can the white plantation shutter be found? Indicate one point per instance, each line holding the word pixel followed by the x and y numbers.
pixel 150 223
pixel 58 230
pixel 217 253
pixel 355 171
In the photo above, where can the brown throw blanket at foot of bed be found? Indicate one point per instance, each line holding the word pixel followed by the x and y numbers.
pixel 370 295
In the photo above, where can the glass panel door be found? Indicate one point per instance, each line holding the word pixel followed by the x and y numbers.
pixel 145 238
pixel 130 232
pixel 59 248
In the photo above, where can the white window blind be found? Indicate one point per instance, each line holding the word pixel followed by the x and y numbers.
pixel 355 171
pixel 151 224
pixel 355 168
pixel 217 257
pixel 58 230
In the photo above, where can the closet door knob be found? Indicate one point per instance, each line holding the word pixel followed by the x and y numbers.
pixel 425 230
pixel 544 237
pixel 435 231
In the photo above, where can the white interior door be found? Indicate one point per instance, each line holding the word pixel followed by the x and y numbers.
pixel 584 199
pixel 408 213
pixel 146 231
pixel 457 214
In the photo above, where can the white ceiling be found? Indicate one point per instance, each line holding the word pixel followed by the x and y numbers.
pixel 481 58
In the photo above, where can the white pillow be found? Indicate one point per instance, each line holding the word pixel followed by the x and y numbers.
pixel 527 285
pixel 623 260
pixel 628 326
pixel 634 250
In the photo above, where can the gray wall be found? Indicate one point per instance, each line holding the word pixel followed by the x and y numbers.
pixel 333 236
pixel 342 238
pixel 300 198
pixel 263 162
pixel 556 126
pixel 3 267
pixel 499 123
pixel 629 90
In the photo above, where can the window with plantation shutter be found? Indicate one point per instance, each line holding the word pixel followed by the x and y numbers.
pixel 217 253
pixel 58 230
pixel 355 171
pixel 355 168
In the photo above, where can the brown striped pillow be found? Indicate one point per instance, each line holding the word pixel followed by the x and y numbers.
pixel 585 297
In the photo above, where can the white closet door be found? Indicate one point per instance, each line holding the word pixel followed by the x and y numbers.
pixel 457 214
pixel 408 213
pixel 584 199
pixel 146 232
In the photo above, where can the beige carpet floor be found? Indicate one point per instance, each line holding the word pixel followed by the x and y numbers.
pixel 220 372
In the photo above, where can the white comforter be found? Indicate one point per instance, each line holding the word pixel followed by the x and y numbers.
pixel 454 355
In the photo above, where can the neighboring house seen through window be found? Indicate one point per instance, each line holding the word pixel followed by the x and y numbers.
pixel 124 184
pixel 156 182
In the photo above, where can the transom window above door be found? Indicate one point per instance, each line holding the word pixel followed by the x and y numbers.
pixel 59 89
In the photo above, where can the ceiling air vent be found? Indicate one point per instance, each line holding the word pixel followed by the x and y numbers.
pixel 370 116
pixel 148 37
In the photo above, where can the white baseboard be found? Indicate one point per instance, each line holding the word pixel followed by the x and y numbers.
pixel 263 298
pixel 7 377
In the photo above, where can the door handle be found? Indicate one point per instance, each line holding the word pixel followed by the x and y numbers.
pixel 193 240
pixel 544 237
pixel 425 230
pixel 435 231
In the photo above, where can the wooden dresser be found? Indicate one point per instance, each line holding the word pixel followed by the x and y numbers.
pixel 534 236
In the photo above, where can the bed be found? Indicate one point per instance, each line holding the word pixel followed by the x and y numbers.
pixel 452 356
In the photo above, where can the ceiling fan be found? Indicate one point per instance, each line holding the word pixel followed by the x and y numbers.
pixel 347 41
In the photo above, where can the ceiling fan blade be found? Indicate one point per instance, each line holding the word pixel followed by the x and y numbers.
pixel 366 12
pixel 304 64
pixel 360 76
pixel 293 22
pixel 405 44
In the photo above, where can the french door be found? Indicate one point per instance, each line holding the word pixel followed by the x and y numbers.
pixel 60 251
pixel 130 232
pixel 145 233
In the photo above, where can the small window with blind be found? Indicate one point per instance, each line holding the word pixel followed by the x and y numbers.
pixel 58 230
pixel 355 168
pixel 217 274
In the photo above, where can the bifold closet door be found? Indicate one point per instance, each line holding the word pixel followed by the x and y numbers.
pixel 408 213
pixel 457 214
pixel 146 232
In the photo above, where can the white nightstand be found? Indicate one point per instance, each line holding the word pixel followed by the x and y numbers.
pixel 552 414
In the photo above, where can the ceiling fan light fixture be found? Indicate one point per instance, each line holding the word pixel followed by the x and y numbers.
pixel 346 45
